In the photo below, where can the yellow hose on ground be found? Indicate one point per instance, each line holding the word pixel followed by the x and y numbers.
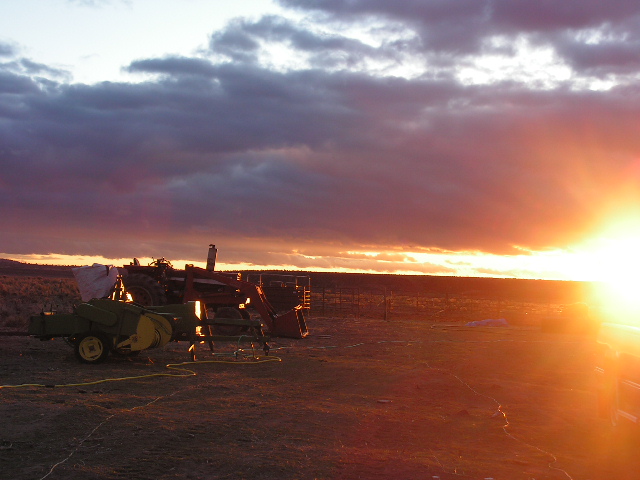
pixel 170 366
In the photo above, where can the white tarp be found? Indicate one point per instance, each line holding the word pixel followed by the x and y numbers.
pixel 95 281
pixel 489 322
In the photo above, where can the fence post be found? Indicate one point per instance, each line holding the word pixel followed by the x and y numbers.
pixel 385 305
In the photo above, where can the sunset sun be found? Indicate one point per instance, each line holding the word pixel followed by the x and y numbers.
pixel 613 260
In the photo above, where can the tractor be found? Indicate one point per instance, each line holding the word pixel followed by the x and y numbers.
pixel 224 295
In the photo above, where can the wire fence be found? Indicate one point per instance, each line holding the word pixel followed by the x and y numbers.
pixel 357 302
pixel 21 297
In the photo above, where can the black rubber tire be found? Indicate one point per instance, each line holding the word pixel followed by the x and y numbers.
pixel 91 347
pixel 144 289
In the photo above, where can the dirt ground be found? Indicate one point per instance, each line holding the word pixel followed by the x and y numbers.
pixel 357 399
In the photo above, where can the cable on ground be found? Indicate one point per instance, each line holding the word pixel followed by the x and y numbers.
pixel 499 411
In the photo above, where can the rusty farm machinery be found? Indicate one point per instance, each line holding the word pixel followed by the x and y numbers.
pixel 140 307
pixel 223 295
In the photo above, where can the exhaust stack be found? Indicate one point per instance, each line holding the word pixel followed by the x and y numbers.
pixel 211 258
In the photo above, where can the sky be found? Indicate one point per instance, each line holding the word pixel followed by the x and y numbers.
pixel 443 137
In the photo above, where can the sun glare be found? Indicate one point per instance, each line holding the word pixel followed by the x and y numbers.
pixel 613 261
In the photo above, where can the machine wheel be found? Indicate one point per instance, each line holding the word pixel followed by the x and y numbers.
pixel 228 330
pixel 91 348
pixel 144 289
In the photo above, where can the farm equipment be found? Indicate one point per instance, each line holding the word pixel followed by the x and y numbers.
pixel 103 325
pixel 224 295
pixel 135 307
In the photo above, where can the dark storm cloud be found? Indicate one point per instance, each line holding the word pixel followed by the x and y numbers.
pixel 617 51
pixel 173 66
pixel 467 26
pixel 11 83
pixel 242 39
pixel 222 148
pixel 502 15
pixel 21 70
pixel 33 68
pixel 7 50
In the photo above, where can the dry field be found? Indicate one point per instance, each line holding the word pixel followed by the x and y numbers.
pixel 412 398
pixel 21 297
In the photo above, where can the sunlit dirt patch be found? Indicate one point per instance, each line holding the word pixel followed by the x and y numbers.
pixel 357 399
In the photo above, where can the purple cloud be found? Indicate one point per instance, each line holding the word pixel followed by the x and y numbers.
pixel 221 147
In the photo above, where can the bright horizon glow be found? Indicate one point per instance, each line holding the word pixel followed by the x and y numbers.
pixel 555 265
pixel 611 258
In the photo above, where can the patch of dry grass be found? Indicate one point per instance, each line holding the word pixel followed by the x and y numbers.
pixel 21 297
